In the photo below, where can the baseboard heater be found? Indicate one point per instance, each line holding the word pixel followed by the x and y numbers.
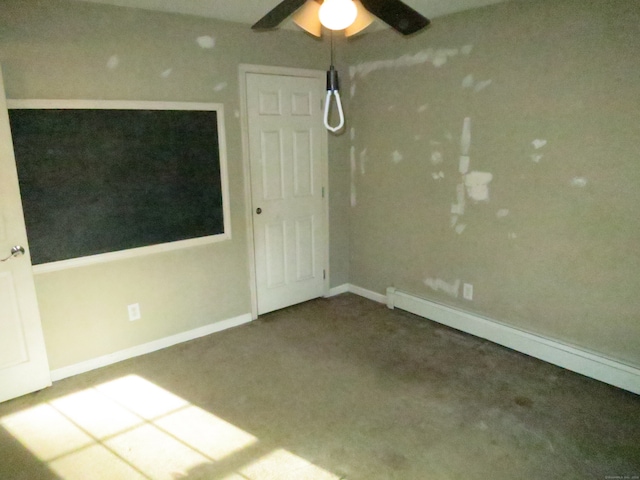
pixel 572 358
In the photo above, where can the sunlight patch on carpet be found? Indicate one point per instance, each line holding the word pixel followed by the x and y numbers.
pixel 130 428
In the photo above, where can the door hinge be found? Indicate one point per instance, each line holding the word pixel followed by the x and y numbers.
pixel 322 192
pixel 324 274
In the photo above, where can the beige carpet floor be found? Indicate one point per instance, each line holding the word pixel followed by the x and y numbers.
pixel 339 388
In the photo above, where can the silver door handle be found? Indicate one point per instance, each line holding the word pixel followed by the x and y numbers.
pixel 15 252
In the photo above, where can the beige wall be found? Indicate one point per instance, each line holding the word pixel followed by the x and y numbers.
pixel 58 49
pixel 555 248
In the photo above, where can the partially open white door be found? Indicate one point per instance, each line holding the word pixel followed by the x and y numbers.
pixel 23 359
pixel 287 151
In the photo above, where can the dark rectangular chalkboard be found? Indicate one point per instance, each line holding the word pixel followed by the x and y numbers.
pixel 99 180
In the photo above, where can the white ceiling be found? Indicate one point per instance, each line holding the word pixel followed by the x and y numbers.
pixel 250 11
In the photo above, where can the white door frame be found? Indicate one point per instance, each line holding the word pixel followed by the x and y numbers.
pixel 245 69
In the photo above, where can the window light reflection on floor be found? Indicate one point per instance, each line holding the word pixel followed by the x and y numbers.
pixel 130 428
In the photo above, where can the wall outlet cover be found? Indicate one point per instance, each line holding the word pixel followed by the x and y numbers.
pixel 134 311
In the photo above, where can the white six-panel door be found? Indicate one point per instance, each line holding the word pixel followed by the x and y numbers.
pixel 23 359
pixel 287 152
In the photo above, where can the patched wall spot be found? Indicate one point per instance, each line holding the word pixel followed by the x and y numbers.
pixel 206 41
pixel 113 62
pixel 396 157
pixel 579 182
pixel 477 184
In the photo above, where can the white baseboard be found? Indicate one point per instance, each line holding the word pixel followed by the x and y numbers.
pixel 339 290
pixel 363 292
pixel 569 357
pixel 143 349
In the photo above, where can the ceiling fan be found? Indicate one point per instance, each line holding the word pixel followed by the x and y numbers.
pixel 352 16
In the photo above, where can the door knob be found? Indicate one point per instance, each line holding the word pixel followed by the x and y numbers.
pixel 258 210
pixel 15 252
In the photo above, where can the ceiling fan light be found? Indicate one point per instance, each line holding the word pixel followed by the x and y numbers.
pixel 337 14
pixel 362 21
pixel 306 17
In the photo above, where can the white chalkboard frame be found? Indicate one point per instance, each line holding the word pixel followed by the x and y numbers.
pixel 140 105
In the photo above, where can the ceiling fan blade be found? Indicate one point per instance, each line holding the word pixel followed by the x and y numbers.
pixel 397 15
pixel 307 18
pixel 363 20
pixel 279 13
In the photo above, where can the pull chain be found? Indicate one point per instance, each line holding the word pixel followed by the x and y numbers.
pixel 333 89
pixel 331 36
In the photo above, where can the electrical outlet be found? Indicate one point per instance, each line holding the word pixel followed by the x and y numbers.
pixel 134 311
pixel 467 291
